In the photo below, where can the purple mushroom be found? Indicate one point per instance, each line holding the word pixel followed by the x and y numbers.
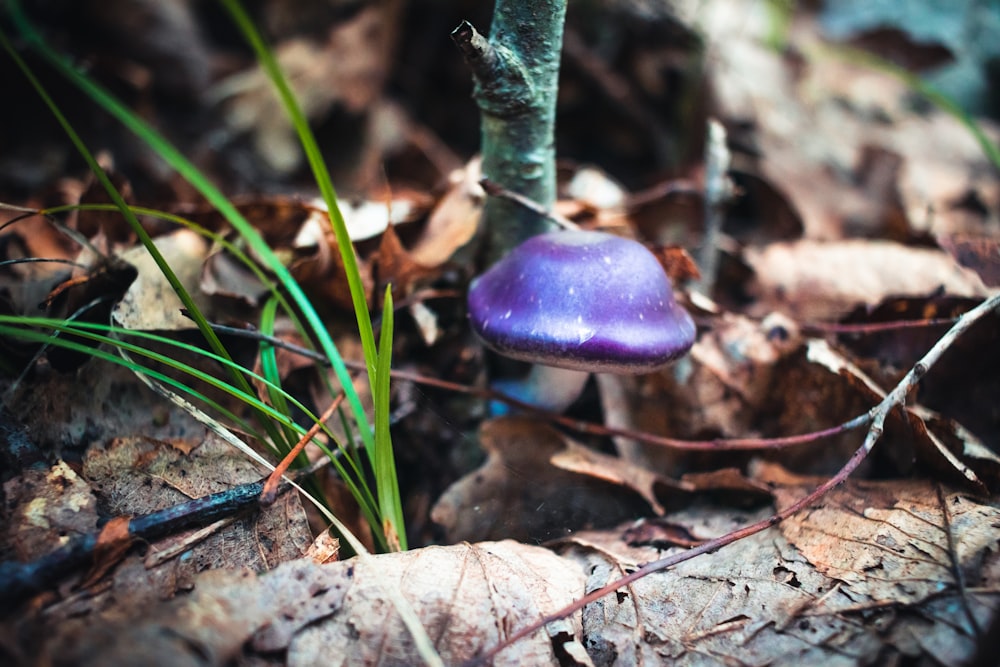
pixel 575 303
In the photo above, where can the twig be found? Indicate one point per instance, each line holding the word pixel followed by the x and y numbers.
pixel 270 490
pixel 671 188
pixel 875 327
pixel 494 189
pixel 590 428
pixel 876 417
pixel 19 581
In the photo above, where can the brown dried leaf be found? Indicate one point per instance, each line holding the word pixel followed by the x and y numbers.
pixel 458 593
pixel 396 266
pixel 139 475
pixel 519 493
pixel 324 549
pixel 347 69
pixel 980 253
pixel 730 480
pixel 322 271
pixel 585 461
pixel 813 133
pixel 100 402
pixel 151 303
pixel 677 263
pixel 813 281
pixel 338 614
pixel 886 541
pixel 452 228
pixel 109 224
pixel 46 508
pixel 910 428
pixel 763 602
pixel 718 389
pixel 223 275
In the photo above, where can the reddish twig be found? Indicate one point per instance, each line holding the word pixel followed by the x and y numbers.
pixel 580 426
pixel 876 327
pixel 270 491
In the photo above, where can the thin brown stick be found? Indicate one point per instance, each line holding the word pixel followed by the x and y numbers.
pixel 580 426
pixel 876 416
pixel 270 491
pixel 875 327
pixel 494 189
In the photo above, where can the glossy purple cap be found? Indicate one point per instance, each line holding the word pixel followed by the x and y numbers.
pixel 583 300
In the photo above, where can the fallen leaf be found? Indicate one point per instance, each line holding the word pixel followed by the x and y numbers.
pixel 138 476
pixel 584 461
pixel 46 508
pixel 519 493
pixel 452 228
pixel 718 390
pixel 814 281
pixel 346 69
pixel 886 540
pixel 340 614
pixel 909 429
pixel 845 598
pixel 151 304
pixel 980 253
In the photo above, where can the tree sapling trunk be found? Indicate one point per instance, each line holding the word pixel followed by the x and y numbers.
pixel 516 73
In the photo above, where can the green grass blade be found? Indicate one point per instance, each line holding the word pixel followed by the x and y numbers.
pixel 269 369
pixel 386 480
pixel 15 327
pixel 320 173
pixel 215 197
pixel 206 330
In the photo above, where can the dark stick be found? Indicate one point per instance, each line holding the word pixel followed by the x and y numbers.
pixel 19 581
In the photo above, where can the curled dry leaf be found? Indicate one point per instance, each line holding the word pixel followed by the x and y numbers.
pixel 150 304
pixel 940 451
pixel 339 614
pixel 584 461
pixel 395 266
pixel 452 228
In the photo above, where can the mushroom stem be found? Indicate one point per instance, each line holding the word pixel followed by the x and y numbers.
pixel 545 387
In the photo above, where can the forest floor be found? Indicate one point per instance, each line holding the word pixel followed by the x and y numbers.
pixel 863 220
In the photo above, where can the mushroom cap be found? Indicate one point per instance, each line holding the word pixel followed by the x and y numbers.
pixel 584 300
